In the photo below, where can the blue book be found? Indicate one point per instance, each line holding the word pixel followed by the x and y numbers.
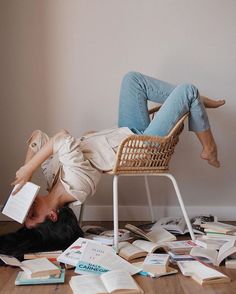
pixel 23 279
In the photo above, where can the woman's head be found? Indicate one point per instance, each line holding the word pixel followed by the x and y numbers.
pixel 46 236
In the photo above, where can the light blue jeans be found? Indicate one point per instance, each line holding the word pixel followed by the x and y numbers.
pixel 137 89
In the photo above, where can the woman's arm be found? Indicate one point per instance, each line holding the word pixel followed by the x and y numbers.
pixel 25 173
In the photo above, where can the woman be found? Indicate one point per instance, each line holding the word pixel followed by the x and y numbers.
pixel 72 166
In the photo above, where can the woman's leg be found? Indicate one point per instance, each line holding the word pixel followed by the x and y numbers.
pixel 137 89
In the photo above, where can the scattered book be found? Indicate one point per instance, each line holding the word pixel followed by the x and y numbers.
pixel 230 263
pixel 33 268
pixel 156 263
pixel 178 226
pixel 174 258
pixel 50 255
pixel 110 282
pixel 17 206
pixel 23 279
pixel 213 255
pixel 103 235
pixel 137 249
pixel 156 235
pixel 201 273
pixel 219 227
pixel 210 243
pixel 180 247
pixel 169 271
pixel 72 255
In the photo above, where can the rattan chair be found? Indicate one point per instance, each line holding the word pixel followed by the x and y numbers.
pixel 140 155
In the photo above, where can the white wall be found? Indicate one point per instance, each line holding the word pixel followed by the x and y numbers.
pixel 62 62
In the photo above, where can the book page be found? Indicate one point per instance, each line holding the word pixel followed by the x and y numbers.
pixel 175 224
pixel 87 284
pixel 39 264
pixel 72 255
pixel 210 254
pixel 115 262
pixel 146 245
pixel 117 280
pixel 128 250
pixel 204 272
pixel 227 249
pixel 160 235
pixel 17 206
pixel 10 260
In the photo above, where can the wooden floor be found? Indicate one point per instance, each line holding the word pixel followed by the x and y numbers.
pixel 175 284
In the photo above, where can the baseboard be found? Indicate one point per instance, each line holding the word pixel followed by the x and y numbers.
pixel 141 213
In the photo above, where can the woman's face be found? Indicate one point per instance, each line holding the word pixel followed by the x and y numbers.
pixel 38 213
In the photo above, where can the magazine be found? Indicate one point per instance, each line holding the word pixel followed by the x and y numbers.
pixel 178 226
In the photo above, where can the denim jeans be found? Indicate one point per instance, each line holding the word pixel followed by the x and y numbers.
pixel 137 89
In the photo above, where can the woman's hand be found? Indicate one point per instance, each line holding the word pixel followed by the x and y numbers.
pixel 23 175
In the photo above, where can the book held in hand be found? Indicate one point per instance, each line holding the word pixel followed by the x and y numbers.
pixel 117 281
pixel 33 268
pixel 18 205
pixel 23 279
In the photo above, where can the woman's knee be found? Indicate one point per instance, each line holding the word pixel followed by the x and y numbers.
pixel 131 77
pixel 189 92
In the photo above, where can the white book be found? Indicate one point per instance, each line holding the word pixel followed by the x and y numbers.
pixel 118 281
pixel 156 263
pixel 213 255
pixel 17 206
pixel 33 268
pixel 202 273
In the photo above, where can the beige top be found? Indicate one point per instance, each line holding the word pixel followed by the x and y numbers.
pixel 82 160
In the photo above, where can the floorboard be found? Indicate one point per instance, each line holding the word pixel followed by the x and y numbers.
pixel 175 284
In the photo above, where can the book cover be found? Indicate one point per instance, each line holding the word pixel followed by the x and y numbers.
pixel 23 279
pixel 17 206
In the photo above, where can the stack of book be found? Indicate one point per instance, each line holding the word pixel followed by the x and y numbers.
pixel 35 271
pixel 218 228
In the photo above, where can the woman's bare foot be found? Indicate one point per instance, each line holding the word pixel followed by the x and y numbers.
pixel 211 103
pixel 211 156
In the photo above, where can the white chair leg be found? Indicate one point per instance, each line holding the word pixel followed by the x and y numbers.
pixel 115 212
pixel 172 178
pixel 149 198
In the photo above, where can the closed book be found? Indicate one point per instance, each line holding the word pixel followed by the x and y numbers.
pixel 23 279
pixel 156 263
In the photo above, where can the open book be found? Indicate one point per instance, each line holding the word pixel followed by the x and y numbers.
pixel 33 268
pixel 110 282
pixel 178 226
pixel 202 273
pixel 213 255
pixel 17 206
pixel 89 249
pixel 156 235
pixel 137 249
pixel 104 236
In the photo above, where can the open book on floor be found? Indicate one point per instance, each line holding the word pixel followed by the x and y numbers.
pixel 201 273
pixel 213 255
pixel 110 282
pixel 17 206
pixel 104 236
pixel 137 249
pixel 178 226
pixel 33 268
pixel 157 235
